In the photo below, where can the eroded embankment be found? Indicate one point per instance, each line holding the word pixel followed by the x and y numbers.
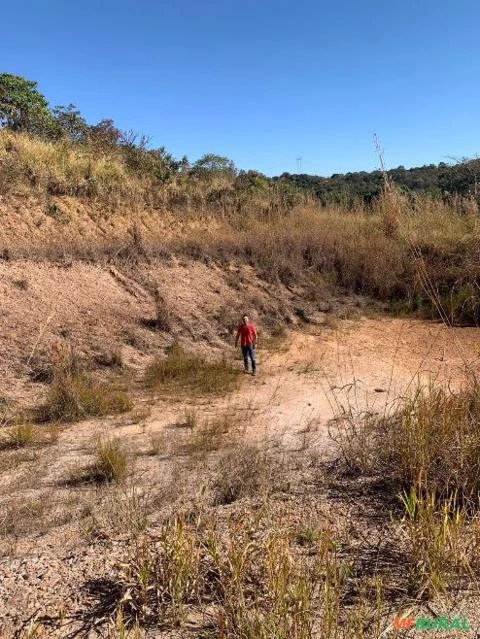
pixel 136 308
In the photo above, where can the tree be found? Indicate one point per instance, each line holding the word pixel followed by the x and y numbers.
pixel 22 106
pixel 70 123
pixel 211 164
pixel 251 181
pixel 142 160
pixel 104 135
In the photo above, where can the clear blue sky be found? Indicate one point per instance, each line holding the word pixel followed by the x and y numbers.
pixel 263 81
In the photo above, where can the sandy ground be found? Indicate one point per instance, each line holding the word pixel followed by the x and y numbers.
pixel 313 376
pixel 364 364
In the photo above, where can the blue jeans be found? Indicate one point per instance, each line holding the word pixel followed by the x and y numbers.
pixel 249 352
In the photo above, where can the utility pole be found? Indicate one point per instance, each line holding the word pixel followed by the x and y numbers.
pixel 299 164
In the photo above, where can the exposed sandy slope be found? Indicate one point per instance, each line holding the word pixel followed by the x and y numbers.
pixel 100 308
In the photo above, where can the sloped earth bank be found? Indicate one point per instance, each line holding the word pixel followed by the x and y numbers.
pixel 62 539
pixel 101 308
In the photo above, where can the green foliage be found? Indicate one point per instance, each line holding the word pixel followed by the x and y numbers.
pixel 141 160
pixel 22 106
pixel 70 123
pixel 214 165
pixel 444 180
pixel 251 181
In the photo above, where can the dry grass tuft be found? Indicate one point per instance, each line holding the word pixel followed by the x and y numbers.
pixel 22 515
pixel 158 444
pixel 111 461
pixel 117 510
pixel 21 435
pixel 213 433
pixel 189 419
pixel 163 318
pixel 110 359
pixel 246 471
pixel 75 397
pixel 26 435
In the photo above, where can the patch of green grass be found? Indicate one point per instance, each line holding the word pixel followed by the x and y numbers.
pixel 306 536
pixel 191 373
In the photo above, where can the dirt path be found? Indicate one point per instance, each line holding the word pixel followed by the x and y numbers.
pixel 362 364
pixel 365 364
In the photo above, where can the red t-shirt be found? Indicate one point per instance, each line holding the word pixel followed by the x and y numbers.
pixel 247 334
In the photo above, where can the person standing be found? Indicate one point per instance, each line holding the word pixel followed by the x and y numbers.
pixel 247 334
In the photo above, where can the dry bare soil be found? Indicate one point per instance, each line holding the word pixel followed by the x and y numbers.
pixel 65 534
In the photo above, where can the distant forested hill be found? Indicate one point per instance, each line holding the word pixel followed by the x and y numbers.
pixel 442 180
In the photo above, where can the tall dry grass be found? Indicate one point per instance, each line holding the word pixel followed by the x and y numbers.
pixel 352 251
pixel 388 251
pixel 73 394
pixel 246 582
pixel 30 164
pixel 431 441
pixel 426 454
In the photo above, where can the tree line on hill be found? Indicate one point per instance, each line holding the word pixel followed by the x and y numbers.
pixel 24 109
pixel 445 181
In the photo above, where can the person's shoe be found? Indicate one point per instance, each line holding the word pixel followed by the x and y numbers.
pixel 245 372
pixel 254 373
